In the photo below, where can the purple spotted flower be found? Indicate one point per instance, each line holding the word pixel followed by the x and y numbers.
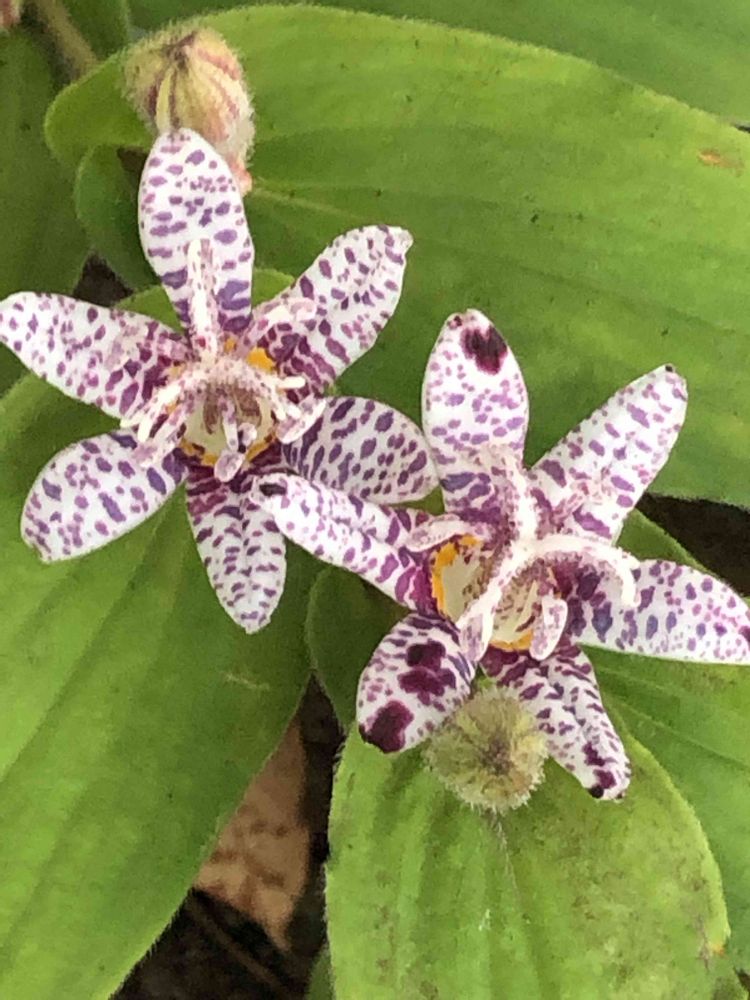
pixel 240 394
pixel 522 567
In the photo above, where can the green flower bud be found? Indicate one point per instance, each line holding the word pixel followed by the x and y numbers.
pixel 188 77
pixel 490 752
pixel 10 13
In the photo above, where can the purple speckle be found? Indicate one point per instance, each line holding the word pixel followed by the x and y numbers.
pixel 52 490
pixel 156 482
pixel 112 509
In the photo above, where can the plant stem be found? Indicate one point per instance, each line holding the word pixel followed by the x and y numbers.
pixel 69 41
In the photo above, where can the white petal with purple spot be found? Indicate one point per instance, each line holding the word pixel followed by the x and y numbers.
pixel 352 290
pixel 366 448
pixel 563 696
pixel 593 478
pixel 415 679
pixel 242 550
pixel 347 532
pixel 188 193
pixel 93 492
pixel 106 357
pixel 204 319
pixel 679 613
pixel 474 396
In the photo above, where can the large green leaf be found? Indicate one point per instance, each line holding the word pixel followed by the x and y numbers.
pixel 321 985
pixel 567 898
pixel 598 226
pixel 43 246
pixel 683 49
pixel 105 26
pixel 136 713
pixel 346 621
pixel 694 720
pixel 692 717
pixel 106 197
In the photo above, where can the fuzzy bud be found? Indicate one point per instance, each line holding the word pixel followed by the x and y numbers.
pixel 188 77
pixel 10 13
pixel 490 753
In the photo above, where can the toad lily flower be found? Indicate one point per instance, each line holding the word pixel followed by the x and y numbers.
pixel 522 566
pixel 241 393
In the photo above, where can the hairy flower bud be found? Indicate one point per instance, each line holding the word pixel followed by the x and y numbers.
pixel 490 752
pixel 10 13
pixel 188 77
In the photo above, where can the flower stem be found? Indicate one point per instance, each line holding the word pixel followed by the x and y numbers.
pixel 69 41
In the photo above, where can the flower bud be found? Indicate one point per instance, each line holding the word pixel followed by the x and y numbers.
pixel 188 77
pixel 10 13
pixel 490 752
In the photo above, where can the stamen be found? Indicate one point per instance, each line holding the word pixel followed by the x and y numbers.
pixel 203 319
pixel 229 423
pixel 248 435
pixel 226 407
pixel 291 412
pixel 437 531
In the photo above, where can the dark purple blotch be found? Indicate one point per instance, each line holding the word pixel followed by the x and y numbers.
pixel 485 347
pixel 388 729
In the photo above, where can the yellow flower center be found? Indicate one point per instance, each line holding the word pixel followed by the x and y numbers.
pixel 205 438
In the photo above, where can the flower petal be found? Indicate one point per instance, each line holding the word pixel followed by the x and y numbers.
pixel 548 626
pixel 367 449
pixel 354 287
pixel 595 476
pixel 442 527
pixel 562 694
pixel 473 396
pixel 350 533
pixel 188 193
pixel 201 280
pixel 106 357
pixel 573 561
pixel 679 613
pixel 241 548
pixel 92 493
pixel 416 678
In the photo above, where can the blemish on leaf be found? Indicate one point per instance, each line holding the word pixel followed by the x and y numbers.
pixel 713 158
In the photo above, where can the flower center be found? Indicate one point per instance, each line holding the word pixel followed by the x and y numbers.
pixel 513 627
pixel 222 409
pixel 460 573
pixel 457 577
pixel 511 598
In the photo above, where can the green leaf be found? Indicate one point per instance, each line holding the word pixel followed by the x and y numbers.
pixel 137 714
pixel 346 620
pixel 566 898
pixel 106 195
pixel 43 246
pixel 106 198
pixel 599 228
pixel 671 46
pixel 154 302
pixel 75 128
pixel 105 26
pixel 693 718
pixel 321 981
